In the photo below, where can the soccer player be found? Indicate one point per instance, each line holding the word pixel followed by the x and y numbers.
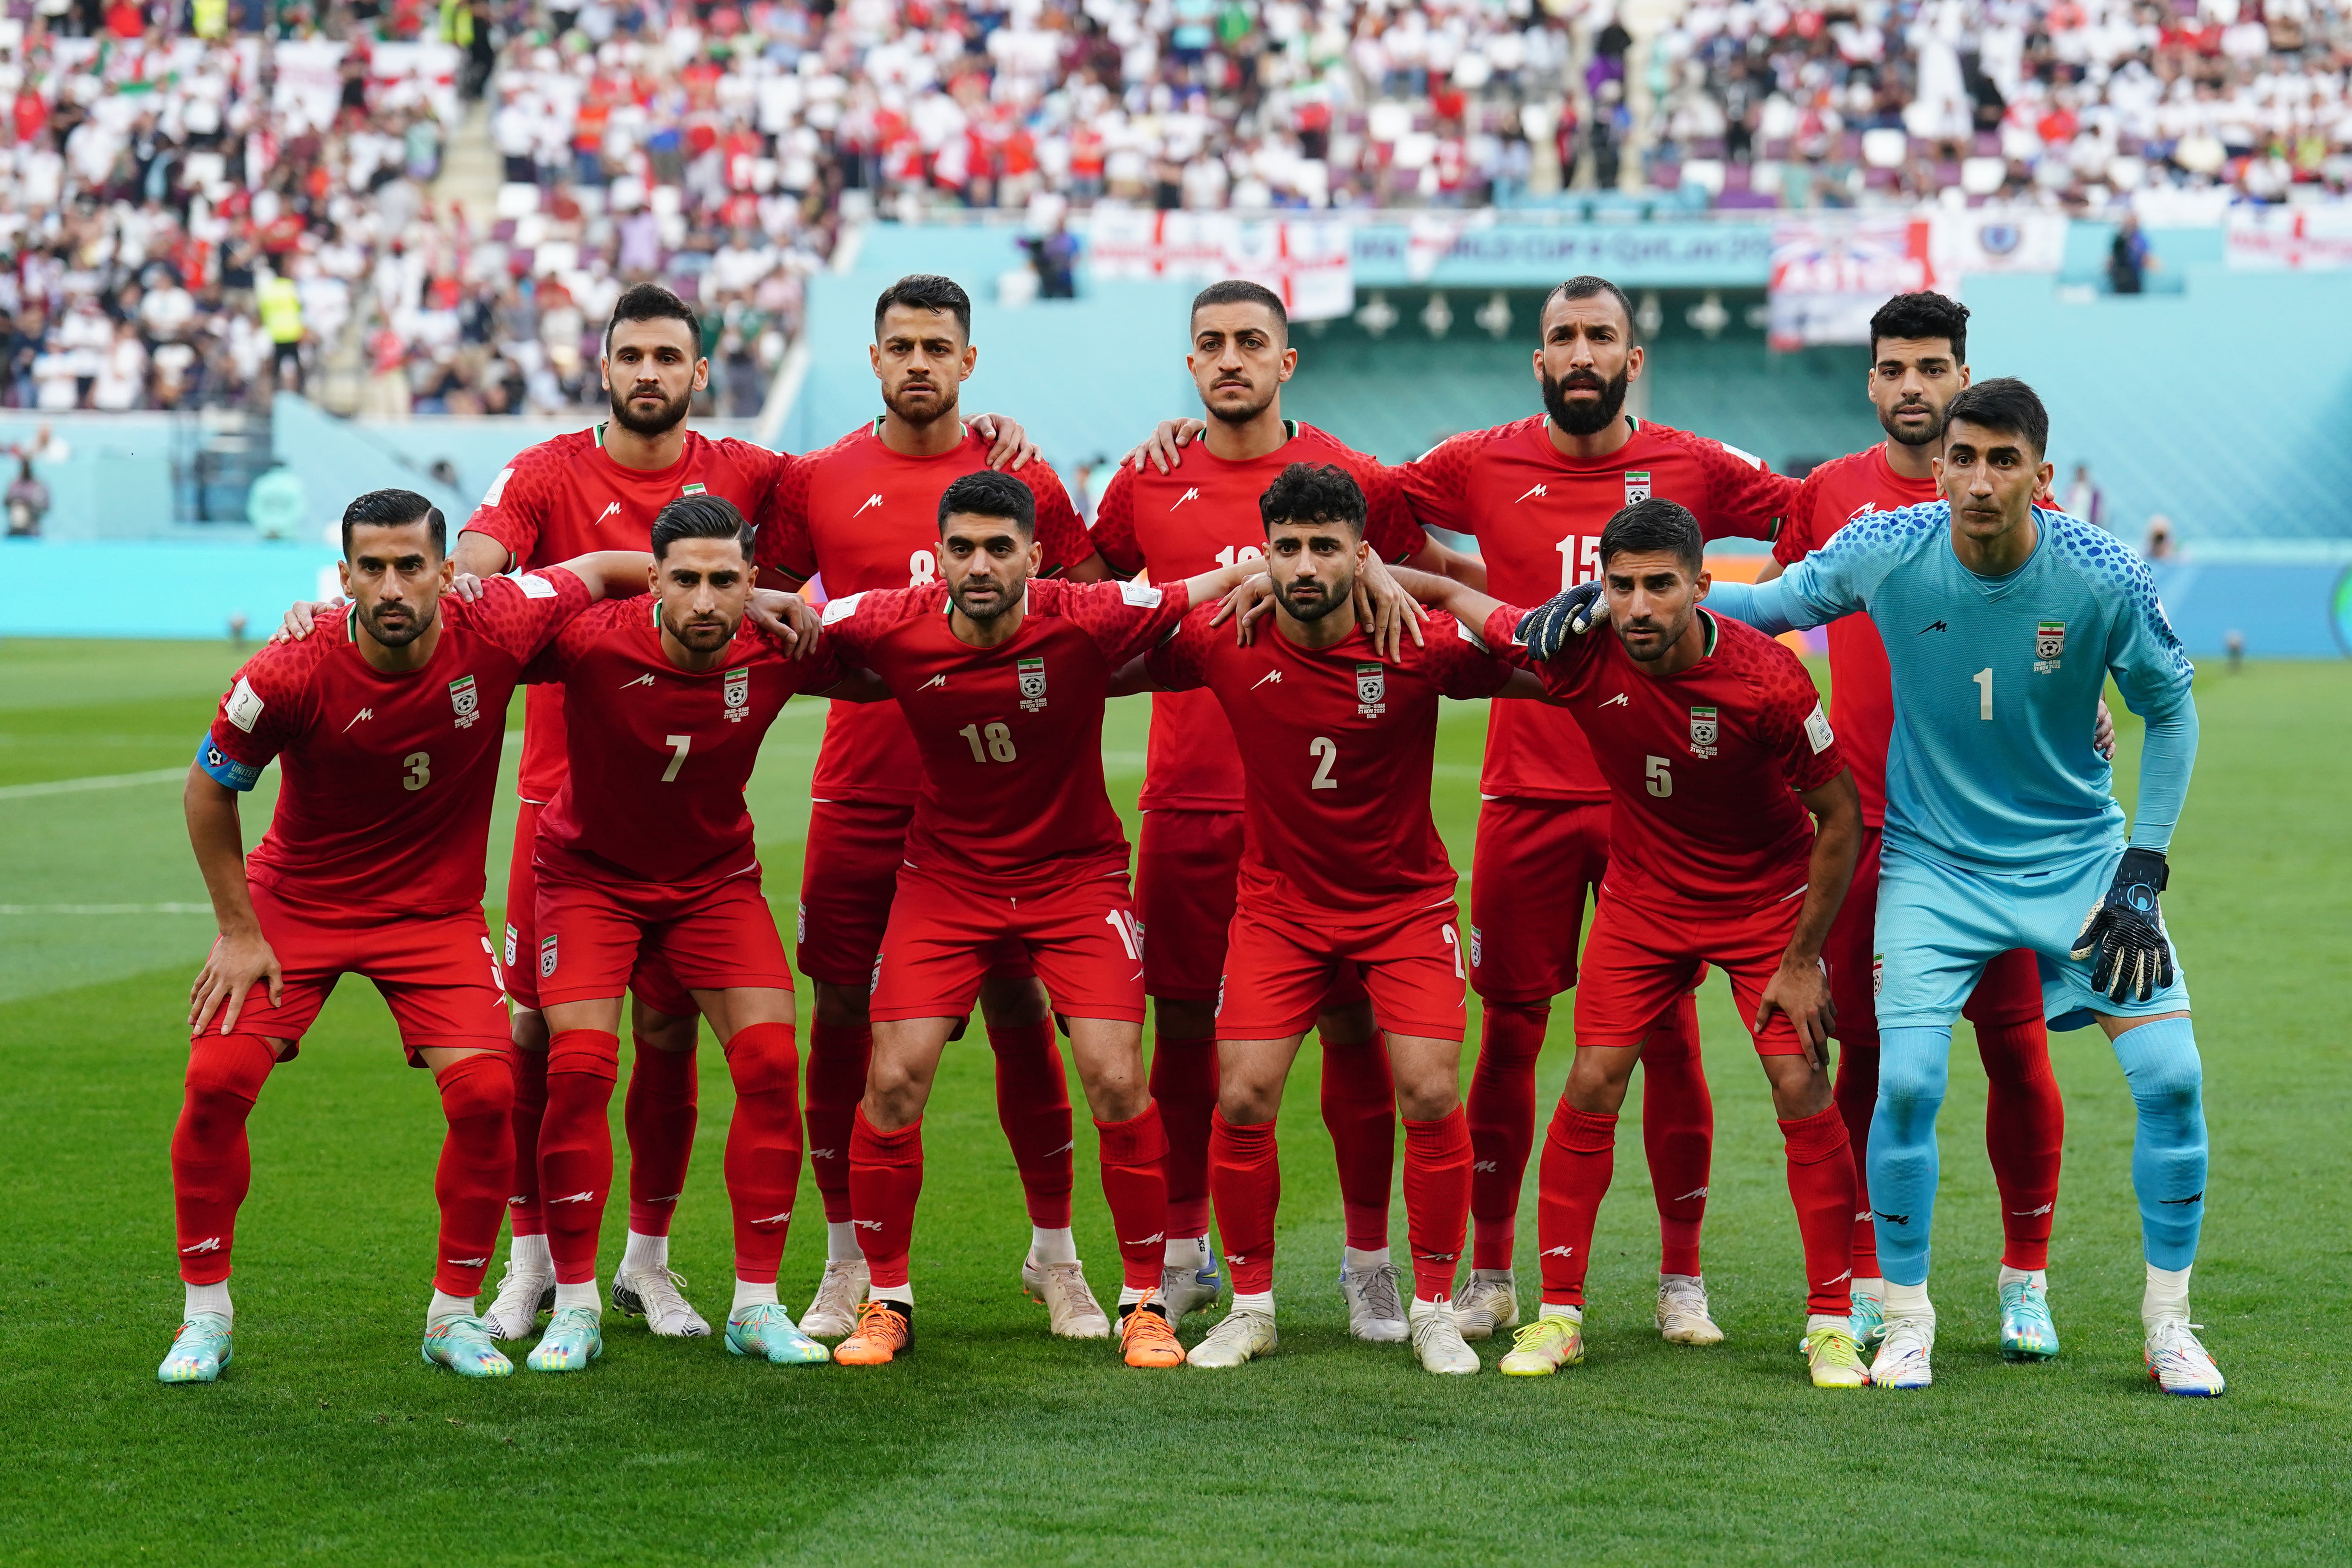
pixel 647 850
pixel 586 490
pixel 1720 764
pixel 1013 844
pixel 2001 622
pixel 1918 352
pixel 863 514
pixel 1173 525
pixel 389 723
pixel 1341 870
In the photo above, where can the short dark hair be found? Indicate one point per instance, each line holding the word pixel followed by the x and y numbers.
pixel 927 291
pixel 703 516
pixel 1585 287
pixel 987 493
pixel 1655 526
pixel 395 509
pixel 2007 404
pixel 1242 292
pixel 652 302
pixel 1313 492
pixel 1926 314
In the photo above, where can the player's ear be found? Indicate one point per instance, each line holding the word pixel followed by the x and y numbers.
pixel 1289 364
pixel 2042 476
pixel 701 373
pixel 1633 358
pixel 970 360
pixel 1701 583
pixel 344 569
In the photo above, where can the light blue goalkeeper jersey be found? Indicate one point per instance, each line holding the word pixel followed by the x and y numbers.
pixel 1997 683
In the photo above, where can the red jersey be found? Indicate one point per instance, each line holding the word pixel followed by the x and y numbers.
pixel 566 497
pixel 385 810
pixel 1862 693
pixel 868 517
pixel 656 757
pixel 1704 767
pixel 1538 517
pixel 1011 736
pixel 1337 823
pixel 1201 517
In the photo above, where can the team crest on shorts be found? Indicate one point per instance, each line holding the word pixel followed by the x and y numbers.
pixel 465 700
pixel 737 691
pixel 1371 689
pixel 1637 485
pixel 1877 975
pixel 547 957
pixel 1478 947
pixel 1703 732
pixel 512 937
pixel 1032 684
pixel 2048 646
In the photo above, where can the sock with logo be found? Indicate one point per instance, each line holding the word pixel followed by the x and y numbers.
pixel 838 1056
pixel 886 1178
pixel 763 1146
pixel 1913 1072
pixel 212 1166
pixel 1185 1086
pixel 1245 1178
pixel 1677 1133
pixel 659 1115
pixel 1360 1110
pixel 575 1148
pixel 1580 1157
pixel 476 1166
pixel 1436 1200
pixel 526 1215
pixel 2025 1135
pixel 1820 1184
pixel 1502 1115
pixel 2168 1151
pixel 1033 1102
pixel 1132 1153
pixel 1857 1099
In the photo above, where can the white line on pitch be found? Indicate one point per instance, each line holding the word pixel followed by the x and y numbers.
pixel 105 909
pixel 103 781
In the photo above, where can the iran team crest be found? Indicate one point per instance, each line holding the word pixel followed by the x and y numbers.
pixel 1637 485
pixel 1703 732
pixel 1032 684
pixel 2048 646
pixel 737 691
pixel 465 700
pixel 1371 689
pixel 547 957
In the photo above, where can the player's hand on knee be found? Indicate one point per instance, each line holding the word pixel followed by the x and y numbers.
pixel 1802 991
pixel 1569 614
pixel 2124 933
pixel 236 965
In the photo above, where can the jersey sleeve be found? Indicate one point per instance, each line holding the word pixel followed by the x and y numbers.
pixel 1436 485
pixel 1792 725
pixel 779 539
pixel 1389 525
pixel 262 713
pixel 1838 579
pixel 854 623
pixel 515 506
pixel 1798 536
pixel 1562 673
pixel 1182 663
pixel 1744 497
pixel 2150 667
pixel 1113 530
pixel 1124 619
pixel 1060 530
pixel 523 613
pixel 1459 662
pixel 768 478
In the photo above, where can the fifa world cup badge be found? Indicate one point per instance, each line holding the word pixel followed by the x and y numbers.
pixel 2048 646
pixel 1703 732
pixel 1032 684
pixel 466 701
pixel 737 691
pixel 547 957
pixel 1637 485
pixel 1371 690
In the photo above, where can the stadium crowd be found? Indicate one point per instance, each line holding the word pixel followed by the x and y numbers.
pixel 191 212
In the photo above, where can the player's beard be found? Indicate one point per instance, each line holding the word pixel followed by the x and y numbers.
pixel 1671 633
pixel 1241 413
pixel 922 415
pixel 700 637
pixel 658 423
pixel 1317 607
pixel 1585 419
pixel 1930 435
pixel 401 634
pixel 1008 599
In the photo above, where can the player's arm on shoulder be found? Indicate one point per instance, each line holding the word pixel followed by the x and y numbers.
pixel 1178 664
pixel 606 573
pixel 1164 448
pixel 788 617
pixel 1747 497
pixel 1470 604
pixel 1010 447
pixel 1436 485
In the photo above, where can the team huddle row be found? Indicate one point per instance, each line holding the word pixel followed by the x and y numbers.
pixel 1950 843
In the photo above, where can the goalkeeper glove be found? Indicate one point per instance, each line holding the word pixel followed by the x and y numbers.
pixel 2126 930
pixel 1546 629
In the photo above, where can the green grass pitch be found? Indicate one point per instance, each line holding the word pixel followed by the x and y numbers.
pixel 330 1441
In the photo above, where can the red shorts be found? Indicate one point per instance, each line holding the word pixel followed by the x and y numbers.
pixel 437 973
pixel 1187 870
pixel 848 881
pixel 1082 939
pixel 2009 991
pixel 1279 973
pixel 655 986
pixel 1636 965
pixel 595 929
pixel 1535 863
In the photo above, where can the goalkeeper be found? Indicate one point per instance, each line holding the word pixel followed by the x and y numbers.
pixel 2002 621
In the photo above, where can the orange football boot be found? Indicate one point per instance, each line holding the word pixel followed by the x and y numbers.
pixel 883 1331
pixel 1146 1338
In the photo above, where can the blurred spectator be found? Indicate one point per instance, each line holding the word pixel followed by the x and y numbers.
pixel 2127 257
pixel 27 501
pixel 277 503
pixel 2082 499
pixel 2159 545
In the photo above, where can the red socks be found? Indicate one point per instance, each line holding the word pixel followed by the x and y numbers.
pixel 2025 1133
pixel 575 1147
pixel 1360 1110
pixel 886 1177
pixel 1436 1200
pixel 1579 1159
pixel 1245 1177
pixel 1857 1100
pixel 1820 1184
pixel 477 1166
pixel 1184 1087
pixel 1502 1120
pixel 1677 1133
pixel 1033 1102
pixel 1135 1186
pixel 211 1164
pixel 763 1146
pixel 838 1054
pixel 525 1214
pixel 659 1116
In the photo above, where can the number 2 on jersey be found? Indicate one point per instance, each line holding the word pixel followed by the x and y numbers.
pixel 1326 751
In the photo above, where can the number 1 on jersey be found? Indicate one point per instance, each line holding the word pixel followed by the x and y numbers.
pixel 1983 678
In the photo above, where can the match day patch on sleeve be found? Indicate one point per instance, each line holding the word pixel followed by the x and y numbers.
pixel 535 586
pixel 498 487
pixel 841 609
pixel 1142 596
pixel 243 705
pixel 1461 629
pixel 1750 458
pixel 1817 730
